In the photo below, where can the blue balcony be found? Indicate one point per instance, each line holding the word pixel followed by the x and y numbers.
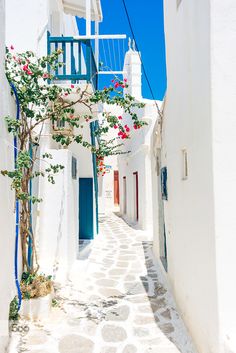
pixel 77 59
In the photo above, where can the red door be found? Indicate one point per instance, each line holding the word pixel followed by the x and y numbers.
pixel 136 195
pixel 124 196
pixel 116 188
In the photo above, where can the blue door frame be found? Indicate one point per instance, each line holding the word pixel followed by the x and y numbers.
pixel 86 216
pixel 93 127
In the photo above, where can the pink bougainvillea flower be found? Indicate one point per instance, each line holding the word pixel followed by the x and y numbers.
pixel 124 136
pixel 29 72
pixel 45 75
pixel 120 133
pixel 135 127
pixel 113 81
pixel 125 79
pixel 117 85
pixel 115 126
pixel 123 86
pixel 127 129
pixel 120 117
pixel 72 86
pixel 66 94
pixel 11 47
pixel 25 68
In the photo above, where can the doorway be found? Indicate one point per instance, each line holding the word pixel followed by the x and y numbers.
pixel 136 196
pixel 116 188
pixel 86 217
pixel 162 198
pixel 124 195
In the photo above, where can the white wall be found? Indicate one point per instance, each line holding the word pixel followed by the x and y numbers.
pixel 57 230
pixel 7 216
pixel 106 182
pixel 138 160
pixel 189 211
pixel 27 25
pixel 26 22
pixel 223 85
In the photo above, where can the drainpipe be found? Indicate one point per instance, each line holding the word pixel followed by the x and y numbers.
pixel 17 205
pixel 93 143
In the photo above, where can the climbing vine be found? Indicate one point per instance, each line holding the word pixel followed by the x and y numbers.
pixel 41 102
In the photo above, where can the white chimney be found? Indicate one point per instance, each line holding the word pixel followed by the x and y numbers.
pixel 133 73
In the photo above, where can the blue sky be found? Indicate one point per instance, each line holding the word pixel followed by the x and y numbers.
pixel 147 22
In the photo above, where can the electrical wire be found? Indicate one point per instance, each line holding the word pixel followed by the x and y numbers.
pixel 142 63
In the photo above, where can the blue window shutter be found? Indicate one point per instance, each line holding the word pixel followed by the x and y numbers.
pixel 164 191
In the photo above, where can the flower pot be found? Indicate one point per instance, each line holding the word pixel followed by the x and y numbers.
pixel 36 308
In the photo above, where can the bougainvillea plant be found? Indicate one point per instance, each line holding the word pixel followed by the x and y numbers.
pixel 43 101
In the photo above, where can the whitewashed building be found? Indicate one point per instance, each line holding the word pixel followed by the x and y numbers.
pixel 108 184
pixel 58 221
pixel 135 173
pixel 7 217
pixel 195 226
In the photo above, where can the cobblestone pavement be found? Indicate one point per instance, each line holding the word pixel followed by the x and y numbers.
pixel 117 302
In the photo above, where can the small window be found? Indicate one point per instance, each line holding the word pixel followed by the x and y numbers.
pixel 60 126
pixel 184 165
pixel 74 168
pixel 164 192
pixel 60 123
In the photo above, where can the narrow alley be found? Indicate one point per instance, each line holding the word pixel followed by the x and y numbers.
pixel 117 302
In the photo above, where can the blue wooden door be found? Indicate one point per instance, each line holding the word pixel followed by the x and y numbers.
pixel 86 218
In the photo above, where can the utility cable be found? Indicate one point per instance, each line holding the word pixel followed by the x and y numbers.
pixel 142 63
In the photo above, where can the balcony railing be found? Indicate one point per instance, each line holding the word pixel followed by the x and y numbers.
pixel 78 63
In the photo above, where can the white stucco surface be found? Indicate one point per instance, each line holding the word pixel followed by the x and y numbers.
pixel 7 216
pixel 199 214
pixel 138 158
pixel 189 211
pixel 106 182
pixel 57 230
pixel 223 85
pixel 56 220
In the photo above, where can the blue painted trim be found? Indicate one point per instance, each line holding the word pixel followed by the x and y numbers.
pixel 17 205
pixel 30 245
pixel 48 52
pixel 71 73
pixel 93 143
pixel 86 209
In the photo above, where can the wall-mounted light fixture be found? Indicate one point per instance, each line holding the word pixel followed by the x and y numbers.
pixel 184 164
